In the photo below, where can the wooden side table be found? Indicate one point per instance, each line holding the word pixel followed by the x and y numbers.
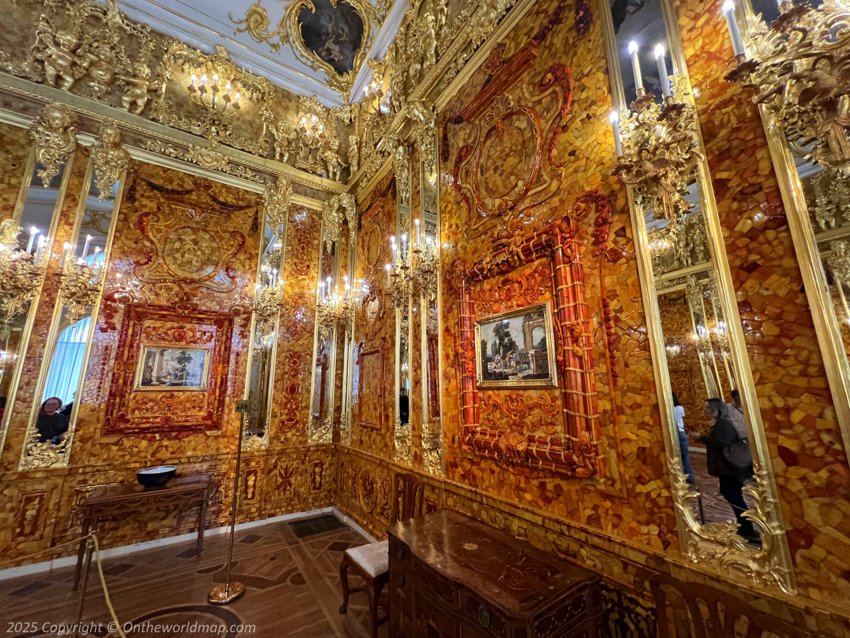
pixel 115 501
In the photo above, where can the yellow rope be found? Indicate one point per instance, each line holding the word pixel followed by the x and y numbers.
pixel 109 606
pixel 90 536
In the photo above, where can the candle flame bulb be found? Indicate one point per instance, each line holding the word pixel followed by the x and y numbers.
pixel 633 47
pixel 659 50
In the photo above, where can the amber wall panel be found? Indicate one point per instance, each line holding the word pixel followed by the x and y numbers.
pixel 808 458
pixel 14 152
pixel 191 246
pixel 553 68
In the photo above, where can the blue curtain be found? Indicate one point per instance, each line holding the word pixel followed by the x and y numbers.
pixel 66 365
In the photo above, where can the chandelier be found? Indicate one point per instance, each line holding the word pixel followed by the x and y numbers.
pixel 798 69
pixel 334 308
pixel 80 281
pixel 214 96
pixel 656 143
pixel 20 270
pixel 413 270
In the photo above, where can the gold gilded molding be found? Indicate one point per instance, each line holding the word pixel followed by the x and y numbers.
pixel 54 134
pixel 337 209
pixel 175 107
pixel 109 158
pixel 278 198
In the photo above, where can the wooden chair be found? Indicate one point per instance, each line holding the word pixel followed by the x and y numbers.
pixel 371 561
pixel 712 613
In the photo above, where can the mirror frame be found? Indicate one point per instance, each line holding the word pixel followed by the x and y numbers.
pixel 713 545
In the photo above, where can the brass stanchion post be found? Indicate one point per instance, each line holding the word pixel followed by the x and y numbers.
pixel 222 594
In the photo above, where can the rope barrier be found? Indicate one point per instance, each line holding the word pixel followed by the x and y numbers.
pixel 90 537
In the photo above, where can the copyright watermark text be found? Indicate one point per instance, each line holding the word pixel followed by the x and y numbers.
pixel 189 627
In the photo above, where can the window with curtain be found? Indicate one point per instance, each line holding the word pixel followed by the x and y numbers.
pixel 66 365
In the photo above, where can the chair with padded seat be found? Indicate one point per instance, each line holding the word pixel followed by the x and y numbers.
pixel 371 562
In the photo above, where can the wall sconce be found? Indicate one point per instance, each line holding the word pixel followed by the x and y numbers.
pixel 656 144
pixel 335 308
pixel 223 100
pixel 415 270
pixel 799 70
pixel 20 270
pixel 80 280
pixel 267 302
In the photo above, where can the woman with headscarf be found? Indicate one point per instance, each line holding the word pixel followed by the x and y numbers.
pixel 720 437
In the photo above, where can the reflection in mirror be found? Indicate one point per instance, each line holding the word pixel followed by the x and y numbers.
pixel 330 298
pixel 30 234
pixel 403 435
pixel 267 296
pixel 693 329
pixel 427 238
pixel 83 265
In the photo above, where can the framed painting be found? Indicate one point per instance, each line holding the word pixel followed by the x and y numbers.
pixel 173 368
pixel 516 349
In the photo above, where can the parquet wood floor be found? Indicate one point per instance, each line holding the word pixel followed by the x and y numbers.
pixel 291 572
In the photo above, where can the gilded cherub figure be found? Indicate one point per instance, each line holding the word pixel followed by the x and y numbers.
pixel 285 138
pixel 429 40
pixel 354 153
pixel 332 160
pixel 137 89
pixel 58 54
pixel 99 61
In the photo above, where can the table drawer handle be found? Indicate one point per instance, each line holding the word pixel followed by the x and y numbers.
pixel 484 617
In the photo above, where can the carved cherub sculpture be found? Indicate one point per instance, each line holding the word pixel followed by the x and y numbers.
pixel 332 160
pixel 429 40
pixel 99 61
pixel 285 138
pixel 58 53
pixel 137 89
pixel 354 153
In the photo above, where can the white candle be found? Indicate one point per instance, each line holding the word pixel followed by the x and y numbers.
pixel 418 235
pixel 662 69
pixel 633 51
pixel 321 290
pixel 86 246
pixel 615 124
pixel 41 242
pixel 388 268
pixel 393 248
pixel 66 249
pixel 734 31
pixel 33 234
pixel 404 246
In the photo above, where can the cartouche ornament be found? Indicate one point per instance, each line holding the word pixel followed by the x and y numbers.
pixel 55 136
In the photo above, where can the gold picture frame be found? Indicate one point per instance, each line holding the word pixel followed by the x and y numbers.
pixel 513 338
pixel 152 376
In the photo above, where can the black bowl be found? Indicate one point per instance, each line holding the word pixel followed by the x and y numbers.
pixel 155 476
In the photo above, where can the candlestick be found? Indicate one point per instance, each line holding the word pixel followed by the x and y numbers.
pixel 662 69
pixel 732 24
pixel 33 233
pixel 633 51
pixel 86 247
pixel 66 249
pixel 388 268
pixel 614 117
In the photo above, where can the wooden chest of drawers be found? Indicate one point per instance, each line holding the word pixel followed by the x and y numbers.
pixel 454 577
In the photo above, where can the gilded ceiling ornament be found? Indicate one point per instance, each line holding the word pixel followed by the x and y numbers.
pixel 331 35
pixel 54 134
pixel 798 71
pixel 278 197
pixel 109 158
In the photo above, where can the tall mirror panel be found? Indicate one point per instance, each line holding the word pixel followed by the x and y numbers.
pixel 267 298
pixel 82 267
pixel 716 448
pixel 25 241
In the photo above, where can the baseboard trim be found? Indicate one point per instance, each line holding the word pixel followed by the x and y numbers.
pixel 350 522
pixel 123 550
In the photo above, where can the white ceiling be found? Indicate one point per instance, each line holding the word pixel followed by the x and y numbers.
pixel 205 23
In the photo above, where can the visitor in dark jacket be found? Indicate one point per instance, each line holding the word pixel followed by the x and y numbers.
pixel 721 435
